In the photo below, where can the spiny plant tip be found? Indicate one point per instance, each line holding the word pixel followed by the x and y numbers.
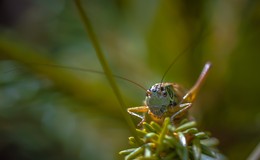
pixel 167 142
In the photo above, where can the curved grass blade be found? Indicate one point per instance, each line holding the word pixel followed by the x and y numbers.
pixel 104 64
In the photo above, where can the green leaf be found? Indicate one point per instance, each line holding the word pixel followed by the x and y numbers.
pixel 162 135
pixel 148 149
pixel 182 139
pixel 196 148
pixel 127 151
pixel 208 151
pixel 132 141
pixel 148 127
pixel 206 157
pixel 171 128
pixel 141 133
pixel 172 141
pixel 151 137
pixel 191 130
pixel 186 126
pixel 201 135
pixel 211 142
pixel 183 150
pixel 156 127
pixel 170 156
pixel 135 153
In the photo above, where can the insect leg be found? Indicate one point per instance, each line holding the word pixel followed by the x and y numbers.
pixel 184 107
pixel 191 95
pixel 134 110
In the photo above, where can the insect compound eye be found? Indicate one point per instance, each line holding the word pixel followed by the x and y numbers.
pixel 171 94
pixel 164 93
pixel 153 90
pixel 162 89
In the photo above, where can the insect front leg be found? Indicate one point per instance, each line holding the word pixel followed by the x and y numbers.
pixel 183 108
pixel 134 110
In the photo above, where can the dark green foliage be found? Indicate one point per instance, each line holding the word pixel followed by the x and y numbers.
pixel 182 142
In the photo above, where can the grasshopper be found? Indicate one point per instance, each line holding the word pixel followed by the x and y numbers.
pixel 168 100
pixel 162 99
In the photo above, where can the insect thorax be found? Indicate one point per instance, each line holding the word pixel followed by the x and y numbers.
pixel 160 97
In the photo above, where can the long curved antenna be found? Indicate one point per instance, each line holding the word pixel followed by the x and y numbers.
pixel 173 62
pixel 84 70
pixel 191 46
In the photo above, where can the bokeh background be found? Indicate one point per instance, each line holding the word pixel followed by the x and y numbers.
pixel 55 113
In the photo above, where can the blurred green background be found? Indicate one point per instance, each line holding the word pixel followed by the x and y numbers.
pixel 54 113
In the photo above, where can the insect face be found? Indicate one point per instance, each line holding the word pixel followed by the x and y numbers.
pixel 160 97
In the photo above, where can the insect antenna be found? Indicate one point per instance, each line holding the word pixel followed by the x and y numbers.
pixel 81 70
pixel 191 46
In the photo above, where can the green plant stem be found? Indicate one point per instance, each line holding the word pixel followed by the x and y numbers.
pixel 105 66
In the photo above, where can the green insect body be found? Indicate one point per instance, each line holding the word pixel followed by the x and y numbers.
pixel 168 100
